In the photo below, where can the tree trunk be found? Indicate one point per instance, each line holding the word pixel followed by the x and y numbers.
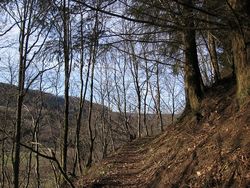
pixel 89 162
pixel 193 80
pixel 135 73
pixel 213 56
pixel 241 53
pixel 241 48
pixel 19 120
pixel 126 122
pixel 81 104
pixel 158 99
pixel 93 56
pixel 66 83
pixel 23 48
pixel 145 98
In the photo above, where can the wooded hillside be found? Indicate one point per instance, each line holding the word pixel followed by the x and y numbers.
pixel 106 72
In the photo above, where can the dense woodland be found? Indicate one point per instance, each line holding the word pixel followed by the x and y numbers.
pixel 81 78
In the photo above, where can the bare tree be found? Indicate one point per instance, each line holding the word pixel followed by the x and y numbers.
pixel 27 24
pixel 93 55
pixel 67 70
pixel 146 94
pixel 213 56
pixel 83 91
pixel 134 68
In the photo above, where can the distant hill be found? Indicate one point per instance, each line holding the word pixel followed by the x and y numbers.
pixel 52 118
pixel 52 109
pixel 9 93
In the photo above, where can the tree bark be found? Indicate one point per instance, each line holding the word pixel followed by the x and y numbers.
pixel 89 162
pixel 81 103
pixel 158 99
pixel 241 48
pixel 66 83
pixel 145 98
pixel 193 80
pixel 213 57
pixel 135 72
pixel 23 48
pixel 93 56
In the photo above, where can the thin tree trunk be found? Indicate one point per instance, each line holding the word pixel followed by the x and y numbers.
pixel 155 105
pixel 93 54
pixel 135 73
pixel 81 106
pixel 23 48
pixel 36 137
pixel 126 123
pixel 89 162
pixel 213 57
pixel 66 82
pixel 158 99
pixel 19 121
pixel 104 135
pixel 173 104
pixel 145 98
pixel 110 125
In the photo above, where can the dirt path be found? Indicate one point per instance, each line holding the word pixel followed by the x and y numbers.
pixel 125 168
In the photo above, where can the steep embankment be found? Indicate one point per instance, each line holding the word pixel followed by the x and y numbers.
pixel 210 149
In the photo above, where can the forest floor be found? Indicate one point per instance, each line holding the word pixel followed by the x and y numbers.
pixel 209 149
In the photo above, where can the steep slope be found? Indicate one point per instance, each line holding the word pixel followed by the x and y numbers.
pixel 209 149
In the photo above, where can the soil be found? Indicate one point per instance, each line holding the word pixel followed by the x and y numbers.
pixel 210 148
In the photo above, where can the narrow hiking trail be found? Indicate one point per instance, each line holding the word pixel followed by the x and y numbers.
pixel 210 152
pixel 126 167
